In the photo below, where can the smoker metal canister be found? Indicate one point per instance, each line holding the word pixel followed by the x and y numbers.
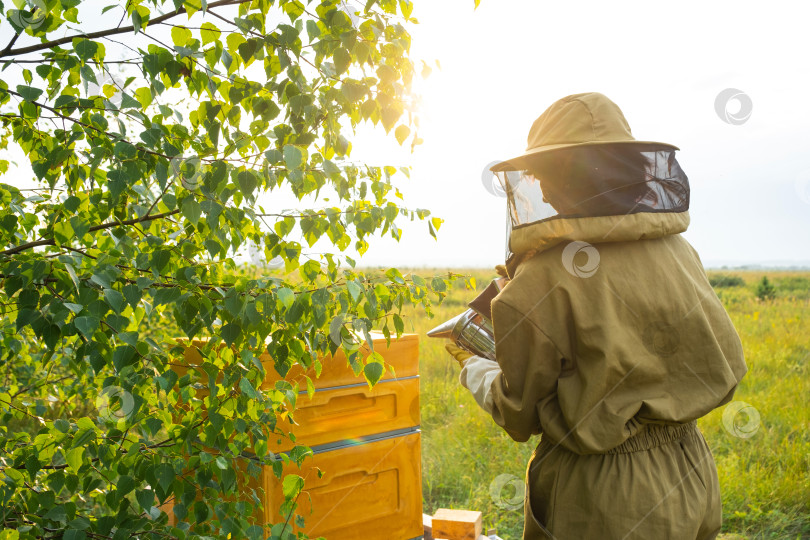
pixel 472 330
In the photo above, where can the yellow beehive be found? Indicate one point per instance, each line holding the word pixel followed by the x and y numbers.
pixel 365 440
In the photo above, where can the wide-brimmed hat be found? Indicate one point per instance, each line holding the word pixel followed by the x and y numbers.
pixel 573 121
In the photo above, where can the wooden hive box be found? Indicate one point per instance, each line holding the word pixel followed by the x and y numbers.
pixel 365 440
pixel 371 489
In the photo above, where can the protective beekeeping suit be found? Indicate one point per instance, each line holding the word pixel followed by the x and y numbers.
pixel 610 342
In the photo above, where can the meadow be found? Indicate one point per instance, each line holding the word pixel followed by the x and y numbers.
pixel 470 463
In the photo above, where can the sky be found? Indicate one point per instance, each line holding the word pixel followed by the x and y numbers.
pixel 664 64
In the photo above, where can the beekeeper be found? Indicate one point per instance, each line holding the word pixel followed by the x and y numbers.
pixel 610 341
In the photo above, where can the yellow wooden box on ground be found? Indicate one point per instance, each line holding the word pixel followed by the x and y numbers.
pixel 365 441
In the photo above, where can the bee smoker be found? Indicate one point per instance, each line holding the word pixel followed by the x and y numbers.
pixel 472 330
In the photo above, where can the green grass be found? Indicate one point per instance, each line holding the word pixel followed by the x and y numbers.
pixel 765 479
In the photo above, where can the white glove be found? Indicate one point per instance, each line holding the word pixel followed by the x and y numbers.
pixel 477 376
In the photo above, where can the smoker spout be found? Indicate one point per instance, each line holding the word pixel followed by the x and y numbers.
pixel 445 330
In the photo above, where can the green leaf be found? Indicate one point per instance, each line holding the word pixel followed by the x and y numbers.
pixel 201 512
pixel 124 151
pixel 85 49
pixel 312 29
pixel 57 513
pixel 247 182
pixel 115 299
pixel 88 75
pixel 286 296
pixel 291 486
pixel 32 465
pixel 51 335
pixel 137 21
pixel 123 356
pixel 293 158
pixel 29 93
pixel 160 258
pixel 355 290
pixel 209 33
pixel 74 458
pixel 125 484
pixel 144 97
pixel 166 295
pixel 294 313
pixel 438 284
pixel 62 425
pixel 230 332
pixel 247 388
pixel 133 294
pixel 395 275
pixel 331 169
pixel 407 7
pixel 181 36
pixel 373 372
pixel 401 133
pixel 233 41
pixel 86 325
pixel 73 277
pixel 146 498
pixel 342 60
pixel 191 209
pixel 399 324
pixel 165 476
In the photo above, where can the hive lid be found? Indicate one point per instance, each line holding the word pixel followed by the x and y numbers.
pixel 402 355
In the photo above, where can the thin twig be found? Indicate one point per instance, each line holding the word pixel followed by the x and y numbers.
pixel 52 242
pixel 108 32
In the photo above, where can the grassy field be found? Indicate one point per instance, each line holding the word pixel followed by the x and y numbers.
pixel 470 463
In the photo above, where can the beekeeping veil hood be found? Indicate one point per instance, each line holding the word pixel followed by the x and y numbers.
pixel 584 177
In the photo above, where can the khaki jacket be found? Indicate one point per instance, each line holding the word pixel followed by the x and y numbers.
pixel 598 338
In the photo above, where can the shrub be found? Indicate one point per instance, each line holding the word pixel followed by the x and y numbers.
pixel 793 284
pixel 765 289
pixel 721 281
pixel 146 189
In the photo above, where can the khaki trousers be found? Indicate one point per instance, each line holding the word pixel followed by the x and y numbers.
pixel 660 484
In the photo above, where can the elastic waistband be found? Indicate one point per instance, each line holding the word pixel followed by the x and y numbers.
pixel 654 435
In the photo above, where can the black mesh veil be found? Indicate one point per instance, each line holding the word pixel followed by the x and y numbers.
pixel 594 180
